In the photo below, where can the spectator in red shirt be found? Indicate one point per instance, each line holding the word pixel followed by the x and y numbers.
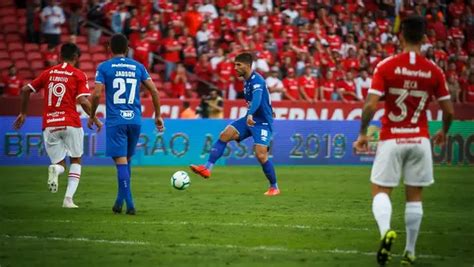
pixel 328 87
pixel 203 70
pixel 290 83
pixel 346 88
pixel 11 83
pixel 179 80
pixel 190 54
pixel 192 18
pixel 142 49
pixel 224 74
pixel 308 86
pixel 51 56
pixel 469 92
pixel 171 54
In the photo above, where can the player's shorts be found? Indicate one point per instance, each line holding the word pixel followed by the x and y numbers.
pixel 63 141
pixel 409 158
pixel 122 139
pixel 261 133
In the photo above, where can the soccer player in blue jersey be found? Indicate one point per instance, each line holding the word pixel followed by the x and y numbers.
pixel 257 123
pixel 121 77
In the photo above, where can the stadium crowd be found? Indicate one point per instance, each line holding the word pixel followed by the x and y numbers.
pixel 321 50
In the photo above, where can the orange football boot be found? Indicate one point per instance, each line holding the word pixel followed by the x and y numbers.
pixel 272 191
pixel 200 170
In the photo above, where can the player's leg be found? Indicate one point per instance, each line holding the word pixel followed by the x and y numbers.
pixel 73 182
pixel 235 131
pixel 413 217
pixel 418 173
pixel 133 134
pixel 74 142
pixel 261 152
pixel 261 136
pixel 56 151
pixel 116 147
pixel 385 176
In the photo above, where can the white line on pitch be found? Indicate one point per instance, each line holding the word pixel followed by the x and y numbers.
pixel 199 245
pixel 238 224
pixel 79 239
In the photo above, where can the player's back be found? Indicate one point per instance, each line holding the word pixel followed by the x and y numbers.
pixel 122 77
pixel 264 113
pixel 63 84
pixel 408 81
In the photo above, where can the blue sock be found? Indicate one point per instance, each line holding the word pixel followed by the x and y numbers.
pixel 124 185
pixel 120 191
pixel 216 152
pixel 269 171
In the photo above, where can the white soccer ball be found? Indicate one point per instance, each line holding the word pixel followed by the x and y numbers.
pixel 180 180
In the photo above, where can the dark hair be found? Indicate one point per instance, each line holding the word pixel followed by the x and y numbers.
pixel 186 104
pixel 69 51
pixel 245 58
pixel 413 29
pixel 118 44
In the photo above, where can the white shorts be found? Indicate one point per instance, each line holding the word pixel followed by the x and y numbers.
pixel 410 158
pixel 63 141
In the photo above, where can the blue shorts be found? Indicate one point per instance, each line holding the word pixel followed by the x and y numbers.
pixel 261 133
pixel 122 139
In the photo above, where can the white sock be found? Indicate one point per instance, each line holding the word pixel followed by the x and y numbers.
pixel 413 216
pixel 73 180
pixel 59 168
pixel 382 210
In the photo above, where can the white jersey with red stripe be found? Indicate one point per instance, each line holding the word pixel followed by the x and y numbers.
pixel 408 81
pixel 63 84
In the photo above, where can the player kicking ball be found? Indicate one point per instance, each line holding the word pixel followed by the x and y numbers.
pixel 408 81
pixel 63 136
pixel 257 123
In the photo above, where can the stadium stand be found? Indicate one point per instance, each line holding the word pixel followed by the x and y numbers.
pixel 327 35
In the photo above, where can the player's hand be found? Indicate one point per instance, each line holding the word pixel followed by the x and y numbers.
pixel 19 121
pixel 160 125
pixel 94 120
pixel 98 123
pixel 439 138
pixel 250 121
pixel 361 144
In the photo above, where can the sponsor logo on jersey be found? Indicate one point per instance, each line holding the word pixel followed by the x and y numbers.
pixel 124 65
pixel 127 114
pixel 402 130
pixel 255 86
pixel 412 73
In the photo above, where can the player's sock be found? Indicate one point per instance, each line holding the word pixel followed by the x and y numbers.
pixel 216 152
pixel 413 216
pixel 269 171
pixel 124 179
pixel 73 180
pixel 382 210
pixel 122 173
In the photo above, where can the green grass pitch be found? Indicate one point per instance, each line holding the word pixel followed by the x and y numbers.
pixel 322 218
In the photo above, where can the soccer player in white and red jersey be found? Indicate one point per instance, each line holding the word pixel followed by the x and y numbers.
pixel 408 81
pixel 64 86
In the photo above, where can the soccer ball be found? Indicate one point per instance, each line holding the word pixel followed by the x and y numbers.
pixel 180 180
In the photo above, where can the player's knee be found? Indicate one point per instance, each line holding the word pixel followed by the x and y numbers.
pixel 261 156
pixel 76 160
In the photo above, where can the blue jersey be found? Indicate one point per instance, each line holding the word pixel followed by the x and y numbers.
pixel 258 99
pixel 122 78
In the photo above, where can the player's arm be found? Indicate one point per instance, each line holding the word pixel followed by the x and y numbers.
pixel 25 99
pixel 446 106
pixel 255 104
pixel 86 106
pixel 155 97
pixel 368 112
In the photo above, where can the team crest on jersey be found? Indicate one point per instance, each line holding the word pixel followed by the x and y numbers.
pixel 127 114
